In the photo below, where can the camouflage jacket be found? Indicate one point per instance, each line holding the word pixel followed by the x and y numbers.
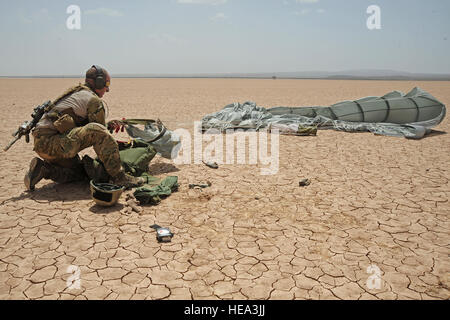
pixel 80 102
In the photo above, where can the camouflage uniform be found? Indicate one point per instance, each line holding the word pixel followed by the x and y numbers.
pixel 60 149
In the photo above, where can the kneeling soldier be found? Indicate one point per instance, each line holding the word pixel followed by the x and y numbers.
pixel 76 122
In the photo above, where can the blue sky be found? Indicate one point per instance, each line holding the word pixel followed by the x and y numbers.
pixel 215 36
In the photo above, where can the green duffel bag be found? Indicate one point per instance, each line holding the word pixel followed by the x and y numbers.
pixel 135 161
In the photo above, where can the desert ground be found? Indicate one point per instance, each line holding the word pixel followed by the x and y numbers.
pixel 373 223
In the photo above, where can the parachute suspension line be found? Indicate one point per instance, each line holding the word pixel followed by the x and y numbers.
pixel 417 107
pixel 388 111
pixel 360 109
pixel 332 113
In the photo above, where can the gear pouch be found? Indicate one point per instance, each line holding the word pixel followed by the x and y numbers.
pixel 64 124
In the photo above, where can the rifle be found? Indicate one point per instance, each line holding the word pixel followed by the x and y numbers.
pixel 26 127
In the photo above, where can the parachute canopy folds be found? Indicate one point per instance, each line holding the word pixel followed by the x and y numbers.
pixel 166 142
pixel 394 114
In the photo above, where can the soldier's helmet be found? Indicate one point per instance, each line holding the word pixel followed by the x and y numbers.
pixel 105 194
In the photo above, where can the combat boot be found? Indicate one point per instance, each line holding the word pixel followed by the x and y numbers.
pixel 36 173
pixel 95 170
pixel 127 181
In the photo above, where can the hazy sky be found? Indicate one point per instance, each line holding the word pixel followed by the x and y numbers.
pixel 215 36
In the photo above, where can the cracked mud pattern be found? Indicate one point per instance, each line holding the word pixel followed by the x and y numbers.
pixel 374 202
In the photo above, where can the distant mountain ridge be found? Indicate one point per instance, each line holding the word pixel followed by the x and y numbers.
pixel 357 74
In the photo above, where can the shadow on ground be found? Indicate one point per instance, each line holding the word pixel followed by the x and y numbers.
pixel 56 192
pixel 106 210
pixel 435 133
pixel 160 168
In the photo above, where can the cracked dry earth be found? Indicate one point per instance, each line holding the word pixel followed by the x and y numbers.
pixel 374 202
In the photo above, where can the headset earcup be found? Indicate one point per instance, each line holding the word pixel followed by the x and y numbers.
pixel 99 82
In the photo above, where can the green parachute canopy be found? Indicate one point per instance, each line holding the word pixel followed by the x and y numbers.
pixel 394 114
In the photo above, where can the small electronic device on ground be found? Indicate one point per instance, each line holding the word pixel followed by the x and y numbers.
pixel 162 234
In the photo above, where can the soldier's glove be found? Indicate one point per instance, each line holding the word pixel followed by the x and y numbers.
pixel 115 126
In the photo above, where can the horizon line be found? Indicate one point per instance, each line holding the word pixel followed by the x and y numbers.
pixel 443 77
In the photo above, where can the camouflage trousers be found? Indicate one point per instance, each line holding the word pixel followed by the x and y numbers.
pixel 61 151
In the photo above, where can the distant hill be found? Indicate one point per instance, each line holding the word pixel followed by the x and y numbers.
pixel 339 75
pixel 358 74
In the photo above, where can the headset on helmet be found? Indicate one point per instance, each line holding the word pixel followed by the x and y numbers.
pixel 100 77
